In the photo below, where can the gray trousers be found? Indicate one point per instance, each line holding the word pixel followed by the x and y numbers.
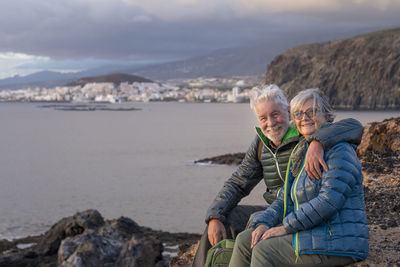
pixel 238 219
pixel 278 251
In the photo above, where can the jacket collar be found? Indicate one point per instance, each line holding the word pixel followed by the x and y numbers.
pixel 291 133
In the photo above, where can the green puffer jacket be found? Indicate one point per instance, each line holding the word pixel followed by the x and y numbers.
pixel 273 165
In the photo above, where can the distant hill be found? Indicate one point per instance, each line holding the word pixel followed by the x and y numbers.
pixel 41 79
pixel 115 78
pixel 362 72
pixel 222 63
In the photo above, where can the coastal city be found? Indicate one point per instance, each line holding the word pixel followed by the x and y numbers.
pixel 234 90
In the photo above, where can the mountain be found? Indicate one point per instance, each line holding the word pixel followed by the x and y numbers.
pixel 222 63
pixel 362 72
pixel 41 79
pixel 115 78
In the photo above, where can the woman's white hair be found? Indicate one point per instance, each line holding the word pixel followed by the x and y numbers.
pixel 319 102
pixel 268 93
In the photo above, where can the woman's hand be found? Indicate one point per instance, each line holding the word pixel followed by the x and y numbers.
pixel 257 234
pixel 315 159
pixel 262 233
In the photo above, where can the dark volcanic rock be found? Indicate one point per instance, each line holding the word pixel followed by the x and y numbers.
pixel 229 159
pixel 70 226
pixel 357 73
pixel 85 239
pixel 140 252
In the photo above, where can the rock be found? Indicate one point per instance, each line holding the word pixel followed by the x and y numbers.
pixel 70 226
pixel 88 249
pixel 124 226
pixel 357 73
pixel 6 245
pixel 140 252
pixel 229 159
pixel 381 138
pixel 379 150
pixel 186 254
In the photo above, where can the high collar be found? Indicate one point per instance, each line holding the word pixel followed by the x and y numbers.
pixel 291 132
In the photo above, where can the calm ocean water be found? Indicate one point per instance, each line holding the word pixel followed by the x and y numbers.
pixel 136 164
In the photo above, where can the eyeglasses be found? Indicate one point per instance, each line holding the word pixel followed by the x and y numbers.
pixel 298 115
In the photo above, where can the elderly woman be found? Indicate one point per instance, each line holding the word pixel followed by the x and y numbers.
pixel 313 222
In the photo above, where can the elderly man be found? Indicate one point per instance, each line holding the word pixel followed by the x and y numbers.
pixel 267 158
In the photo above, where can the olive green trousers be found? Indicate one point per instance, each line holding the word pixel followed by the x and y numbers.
pixel 278 251
pixel 238 220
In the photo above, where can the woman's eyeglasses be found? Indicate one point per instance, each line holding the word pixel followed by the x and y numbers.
pixel 298 115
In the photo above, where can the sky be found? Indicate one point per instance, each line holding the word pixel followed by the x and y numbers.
pixel 73 35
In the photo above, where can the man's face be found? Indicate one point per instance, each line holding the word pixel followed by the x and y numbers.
pixel 273 120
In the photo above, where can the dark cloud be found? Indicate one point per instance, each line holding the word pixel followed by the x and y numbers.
pixel 114 30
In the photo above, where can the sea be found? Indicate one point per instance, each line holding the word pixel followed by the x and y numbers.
pixel 138 164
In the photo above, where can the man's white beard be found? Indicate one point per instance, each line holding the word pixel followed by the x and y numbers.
pixel 276 138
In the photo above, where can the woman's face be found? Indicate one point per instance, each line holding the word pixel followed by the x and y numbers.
pixel 308 119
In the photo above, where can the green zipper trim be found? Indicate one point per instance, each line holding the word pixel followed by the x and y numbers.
pixel 286 182
pixel 296 248
pixel 330 228
pixel 291 132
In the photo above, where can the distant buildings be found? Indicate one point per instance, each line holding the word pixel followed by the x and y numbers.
pixel 193 90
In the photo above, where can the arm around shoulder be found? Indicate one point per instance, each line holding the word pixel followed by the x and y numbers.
pixel 347 130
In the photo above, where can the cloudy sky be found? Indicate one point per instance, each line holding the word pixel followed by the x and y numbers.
pixel 71 35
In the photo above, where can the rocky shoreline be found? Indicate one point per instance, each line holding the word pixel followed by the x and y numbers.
pixel 86 239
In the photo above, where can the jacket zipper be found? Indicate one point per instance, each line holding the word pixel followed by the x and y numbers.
pixel 276 162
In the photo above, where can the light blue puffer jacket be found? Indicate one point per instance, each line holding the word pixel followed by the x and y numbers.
pixel 325 216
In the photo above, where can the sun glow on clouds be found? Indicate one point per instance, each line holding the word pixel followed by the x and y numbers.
pixel 181 9
pixel 10 63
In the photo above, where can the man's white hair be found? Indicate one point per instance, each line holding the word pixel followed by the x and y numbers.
pixel 268 93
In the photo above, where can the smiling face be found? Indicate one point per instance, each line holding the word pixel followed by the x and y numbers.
pixel 308 119
pixel 272 119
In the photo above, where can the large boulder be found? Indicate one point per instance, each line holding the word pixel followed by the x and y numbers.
pixel 379 150
pixel 381 137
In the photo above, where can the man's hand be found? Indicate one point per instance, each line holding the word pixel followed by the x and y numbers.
pixel 257 234
pixel 216 231
pixel 315 159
